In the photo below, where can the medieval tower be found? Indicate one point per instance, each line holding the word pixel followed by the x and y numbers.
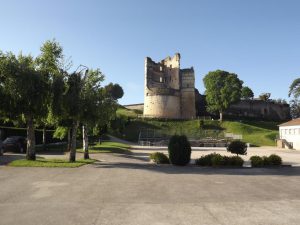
pixel 169 90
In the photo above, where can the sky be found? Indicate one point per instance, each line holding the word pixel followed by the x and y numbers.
pixel 257 39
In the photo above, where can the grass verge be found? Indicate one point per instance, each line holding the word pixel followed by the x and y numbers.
pixel 62 163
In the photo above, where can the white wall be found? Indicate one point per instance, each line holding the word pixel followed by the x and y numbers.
pixel 291 134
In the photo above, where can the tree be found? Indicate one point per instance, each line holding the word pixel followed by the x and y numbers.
pixel 115 90
pixel 91 103
pixel 265 96
pixel 247 93
pixel 52 62
pixel 295 108
pixel 295 102
pixel 24 89
pixel 295 88
pixel 237 147
pixel 222 90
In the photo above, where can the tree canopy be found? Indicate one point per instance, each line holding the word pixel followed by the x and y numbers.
pixel 247 93
pixel 222 90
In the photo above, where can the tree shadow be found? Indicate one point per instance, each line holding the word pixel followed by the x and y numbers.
pixel 7 158
pixel 192 169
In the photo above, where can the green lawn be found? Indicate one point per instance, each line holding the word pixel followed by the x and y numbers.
pixel 108 147
pixel 40 162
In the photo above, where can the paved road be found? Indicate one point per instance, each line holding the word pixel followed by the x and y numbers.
pixel 127 190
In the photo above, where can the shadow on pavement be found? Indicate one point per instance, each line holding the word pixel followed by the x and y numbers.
pixel 6 158
pixel 191 169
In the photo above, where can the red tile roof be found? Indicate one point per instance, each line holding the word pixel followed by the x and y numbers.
pixel 294 122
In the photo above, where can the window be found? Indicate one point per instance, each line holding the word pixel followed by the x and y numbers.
pixel 160 68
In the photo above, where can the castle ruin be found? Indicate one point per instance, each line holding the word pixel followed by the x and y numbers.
pixel 169 90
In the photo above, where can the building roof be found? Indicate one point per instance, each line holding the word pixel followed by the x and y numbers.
pixel 295 122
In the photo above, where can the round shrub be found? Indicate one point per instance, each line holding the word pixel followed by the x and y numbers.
pixel 159 158
pixel 274 160
pixel 257 161
pixel 179 150
pixel 237 147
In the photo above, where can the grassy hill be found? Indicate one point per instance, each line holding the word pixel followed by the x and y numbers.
pixel 258 133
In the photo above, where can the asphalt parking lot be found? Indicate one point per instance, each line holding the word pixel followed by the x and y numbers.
pixel 127 189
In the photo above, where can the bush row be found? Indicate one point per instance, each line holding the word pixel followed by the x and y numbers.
pixel 216 160
pixel 272 160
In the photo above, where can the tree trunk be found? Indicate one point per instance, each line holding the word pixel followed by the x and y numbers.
pixel 69 139
pixel 221 116
pixel 30 154
pixel 85 142
pixel 73 142
pixel 44 138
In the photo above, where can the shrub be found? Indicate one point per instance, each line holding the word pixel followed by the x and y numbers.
pixel 235 161
pixel 237 147
pixel 218 160
pixel 265 160
pixel 257 161
pixel 274 160
pixel 205 160
pixel 179 150
pixel 159 158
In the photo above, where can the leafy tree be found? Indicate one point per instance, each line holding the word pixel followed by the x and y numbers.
pixel 295 102
pixel 222 90
pixel 295 108
pixel 237 147
pixel 24 89
pixel 91 103
pixel 247 93
pixel 265 97
pixel 295 88
pixel 52 62
pixel 115 90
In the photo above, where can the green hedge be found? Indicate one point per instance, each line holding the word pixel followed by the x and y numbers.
pixel 217 160
pixel 272 160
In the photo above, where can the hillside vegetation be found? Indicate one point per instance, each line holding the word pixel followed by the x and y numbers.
pixel 259 133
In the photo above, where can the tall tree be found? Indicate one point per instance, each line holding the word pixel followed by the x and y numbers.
pixel 247 93
pixel 25 89
pixel 91 100
pixel 295 102
pixel 222 90
pixel 295 88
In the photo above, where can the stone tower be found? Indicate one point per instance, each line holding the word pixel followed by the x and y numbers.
pixel 169 91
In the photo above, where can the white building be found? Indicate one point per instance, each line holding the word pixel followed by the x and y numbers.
pixel 290 134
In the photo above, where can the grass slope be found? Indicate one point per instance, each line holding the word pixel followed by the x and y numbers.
pixel 260 133
pixel 108 147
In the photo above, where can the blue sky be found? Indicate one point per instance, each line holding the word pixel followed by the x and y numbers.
pixel 257 39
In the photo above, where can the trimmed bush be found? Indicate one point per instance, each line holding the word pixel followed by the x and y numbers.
pixel 179 150
pixel 235 161
pixel 257 161
pixel 237 147
pixel 274 160
pixel 217 160
pixel 204 160
pixel 159 158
